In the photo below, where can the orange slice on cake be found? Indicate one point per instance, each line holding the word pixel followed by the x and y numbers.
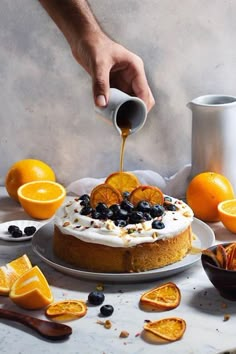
pixel 123 181
pixel 151 194
pixel 170 329
pixel 164 297
pixel 104 193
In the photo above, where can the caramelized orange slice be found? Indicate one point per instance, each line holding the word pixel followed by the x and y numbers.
pixel 212 257
pixel 104 193
pixel 170 329
pixel 123 181
pixel 66 310
pixel 231 258
pixel 151 194
pixel 164 297
pixel 221 256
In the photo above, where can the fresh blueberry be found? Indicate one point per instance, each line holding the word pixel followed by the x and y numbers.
pixel 168 199
pixel 96 298
pixel 120 223
pixel 29 230
pixel 12 228
pixel 86 210
pixel 147 216
pixel 136 217
pixel 85 199
pixel 95 214
pixel 115 208
pixel 107 310
pixel 17 233
pixel 102 208
pixel 126 205
pixel 157 210
pixel 170 207
pixel 156 224
pixel 108 214
pixel 143 206
pixel 126 195
pixel 122 214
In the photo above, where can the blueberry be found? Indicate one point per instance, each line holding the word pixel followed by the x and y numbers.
pixel 95 214
pixel 126 205
pixel 143 206
pixel 107 310
pixel 122 214
pixel 17 233
pixel 156 224
pixel 115 208
pixel 85 199
pixel 120 223
pixel 170 207
pixel 136 217
pixel 86 210
pixel 168 199
pixel 12 228
pixel 96 298
pixel 157 210
pixel 108 214
pixel 126 195
pixel 102 208
pixel 147 216
pixel 29 230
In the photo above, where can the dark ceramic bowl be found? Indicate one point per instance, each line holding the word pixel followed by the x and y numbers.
pixel 223 280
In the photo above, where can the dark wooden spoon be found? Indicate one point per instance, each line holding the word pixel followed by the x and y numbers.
pixel 47 329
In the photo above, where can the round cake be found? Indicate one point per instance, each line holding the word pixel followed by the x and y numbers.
pixel 105 245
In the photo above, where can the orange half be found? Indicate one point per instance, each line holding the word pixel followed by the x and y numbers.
pixel 123 181
pixel 227 214
pixel 151 194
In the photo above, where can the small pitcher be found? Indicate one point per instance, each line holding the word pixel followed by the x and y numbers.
pixel 214 135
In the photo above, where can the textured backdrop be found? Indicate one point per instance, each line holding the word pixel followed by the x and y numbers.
pixel 47 112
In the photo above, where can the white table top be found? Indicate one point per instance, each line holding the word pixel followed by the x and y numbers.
pixel 201 307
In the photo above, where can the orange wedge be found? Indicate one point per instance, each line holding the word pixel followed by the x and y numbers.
pixel 164 297
pixel 31 291
pixel 151 194
pixel 41 199
pixel 170 329
pixel 123 181
pixel 12 271
pixel 104 193
pixel 66 310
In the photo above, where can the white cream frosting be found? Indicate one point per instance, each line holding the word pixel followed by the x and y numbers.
pixel 69 220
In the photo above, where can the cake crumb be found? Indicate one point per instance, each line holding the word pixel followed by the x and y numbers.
pixel 107 324
pixel 124 334
pixel 226 317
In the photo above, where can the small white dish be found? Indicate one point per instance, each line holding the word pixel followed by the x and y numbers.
pixel 6 236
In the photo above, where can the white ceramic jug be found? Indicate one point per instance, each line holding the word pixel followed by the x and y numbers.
pixel 214 135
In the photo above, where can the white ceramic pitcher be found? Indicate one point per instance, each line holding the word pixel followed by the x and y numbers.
pixel 214 135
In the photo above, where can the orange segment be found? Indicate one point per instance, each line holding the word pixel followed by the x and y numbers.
pixel 66 310
pixel 123 181
pixel 41 199
pixel 31 291
pixel 104 193
pixel 151 194
pixel 170 329
pixel 164 297
pixel 12 271
pixel 227 214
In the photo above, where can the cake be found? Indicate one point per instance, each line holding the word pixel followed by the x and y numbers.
pixel 103 245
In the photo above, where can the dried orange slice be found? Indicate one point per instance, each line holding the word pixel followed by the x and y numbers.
pixel 31 291
pixel 170 329
pixel 66 310
pixel 221 255
pixel 151 194
pixel 104 193
pixel 231 258
pixel 164 297
pixel 123 181
pixel 212 257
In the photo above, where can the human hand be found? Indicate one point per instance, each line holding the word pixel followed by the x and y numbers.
pixel 112 65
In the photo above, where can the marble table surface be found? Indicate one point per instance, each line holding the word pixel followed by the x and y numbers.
pixel 201 307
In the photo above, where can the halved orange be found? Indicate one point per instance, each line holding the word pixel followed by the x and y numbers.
pixel 170 329
pixel 164 297
pixel 31 291
pixel 66 310
pixel 41 199
pixel 151 194
pixel 104 193
pixel 123 181
pixel 227 214
pixel 12 271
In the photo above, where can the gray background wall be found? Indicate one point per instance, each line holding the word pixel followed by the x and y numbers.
pixel 188 48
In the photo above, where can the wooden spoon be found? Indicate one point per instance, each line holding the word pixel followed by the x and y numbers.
pixel 47 329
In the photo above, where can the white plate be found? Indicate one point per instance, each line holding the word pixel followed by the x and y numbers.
pixel 4 234
pixel 42 246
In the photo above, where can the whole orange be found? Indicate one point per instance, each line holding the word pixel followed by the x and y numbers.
pixel 205 191
pixel 25 171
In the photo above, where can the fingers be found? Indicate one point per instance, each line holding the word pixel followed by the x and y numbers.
pixel 101 85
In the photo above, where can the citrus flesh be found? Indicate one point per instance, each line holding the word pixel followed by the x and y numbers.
pixel 164 297
pixel 104 193
pixel 41 199
pixel 25 171
pixel 205 191
pixel 227 214
pixel 123 181
pixel 66 310
pixel 151 194
pixel 170 329
pixel 31 291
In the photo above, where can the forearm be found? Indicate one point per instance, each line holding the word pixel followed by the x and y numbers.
pixel 73 17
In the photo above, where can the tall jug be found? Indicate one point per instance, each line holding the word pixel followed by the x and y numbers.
pixel 214 135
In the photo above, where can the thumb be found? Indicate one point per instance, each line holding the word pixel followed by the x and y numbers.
pixel 101 86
